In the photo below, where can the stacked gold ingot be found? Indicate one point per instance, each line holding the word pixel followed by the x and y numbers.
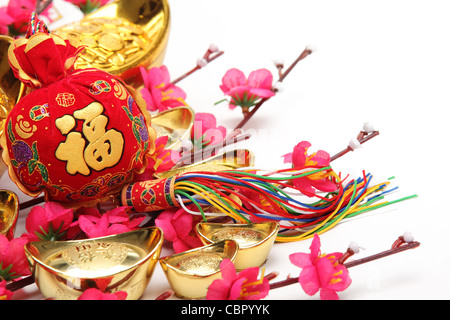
pixel 122 36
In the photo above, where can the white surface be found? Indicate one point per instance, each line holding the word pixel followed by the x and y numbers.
pixel 386 62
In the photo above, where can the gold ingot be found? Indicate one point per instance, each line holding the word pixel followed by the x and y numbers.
pixel 190 273
pixel 9 211
pixel 229 160
pixel 10 87
pixel 123 35
pixel 255 240
pixel 63 270
pixel 175 123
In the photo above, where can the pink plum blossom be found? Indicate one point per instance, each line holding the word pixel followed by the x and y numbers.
pixel 321 272
pixel 242 286
pixel 205 130
pixel 161 160
pixel 158 92
pixel 96 294
pixel 88 6
pixel 13 262
pixel 95 224
pixel 246 92
pixel 49 222
pixel 5 294
pixel 178 228
pixel 16 16
pixel 301 160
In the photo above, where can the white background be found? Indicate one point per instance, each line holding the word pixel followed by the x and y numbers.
pixel 383 62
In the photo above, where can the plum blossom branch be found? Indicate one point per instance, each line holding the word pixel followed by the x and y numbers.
pixel 403 243
pixel 367 133
pixel 210 55
pixel 282 75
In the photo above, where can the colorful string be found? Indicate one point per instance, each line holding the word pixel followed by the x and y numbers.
pixel 36 25
pixel 245 196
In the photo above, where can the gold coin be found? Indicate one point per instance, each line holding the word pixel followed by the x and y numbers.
pixel 110 41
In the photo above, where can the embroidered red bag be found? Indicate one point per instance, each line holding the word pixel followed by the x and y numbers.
pixel 79 135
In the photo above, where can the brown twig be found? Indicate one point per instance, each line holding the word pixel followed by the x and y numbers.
pixel 21 283
pixel 282 75
pixel 42 5
pixel 361 139
pixel 199 154
pixel 32 202
pixel 394 250
pixel 209 56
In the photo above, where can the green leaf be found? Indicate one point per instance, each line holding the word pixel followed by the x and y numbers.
pixel 31 165
pixel 10 132
pixel 6 273
pixel 43 170
pixel 136 134
pixel 52 234
pixel 130 116
pixel 35 151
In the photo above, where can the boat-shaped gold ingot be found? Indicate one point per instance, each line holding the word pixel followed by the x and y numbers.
pixel 255 240
pixel 190 273
pixel 175 123
pixel 63 270
pixel 122 36
pixel 9 211
pixel 229 160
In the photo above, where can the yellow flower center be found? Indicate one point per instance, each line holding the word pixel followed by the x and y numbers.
pixel 247 284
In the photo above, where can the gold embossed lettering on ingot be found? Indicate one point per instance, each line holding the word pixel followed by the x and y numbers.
pixel 190 273
pixel 255 240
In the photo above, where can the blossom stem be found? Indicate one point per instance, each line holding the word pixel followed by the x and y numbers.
pixel 42 5
pixel 403 247
pixel 306 52
pixel 165 295
pixel 406 246
pixel 209 56
pixel 208 151
pixel 361 139
pixel 19 284
pixel 30 203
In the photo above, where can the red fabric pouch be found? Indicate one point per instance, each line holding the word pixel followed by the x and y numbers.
pixel 77 135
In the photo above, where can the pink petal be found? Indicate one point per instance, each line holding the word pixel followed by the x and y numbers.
pixel 324 185
pixel 164 221
pixel 146 95
pixel 144 76
pixel 261 78
pixel 180 246
pixel 299 154
pixel 182 224
pixel 262 93
pixel 300 259
pixel 175 92
pixel 117 229
pixel 315 246
pixel 232 78
pixel 309 280
pixel 228 271
pixel 304 185
pixel 326 294
pixel 322 158
pixel 165 76
pixel 218 290
pixel 287 158
pixel 236 289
